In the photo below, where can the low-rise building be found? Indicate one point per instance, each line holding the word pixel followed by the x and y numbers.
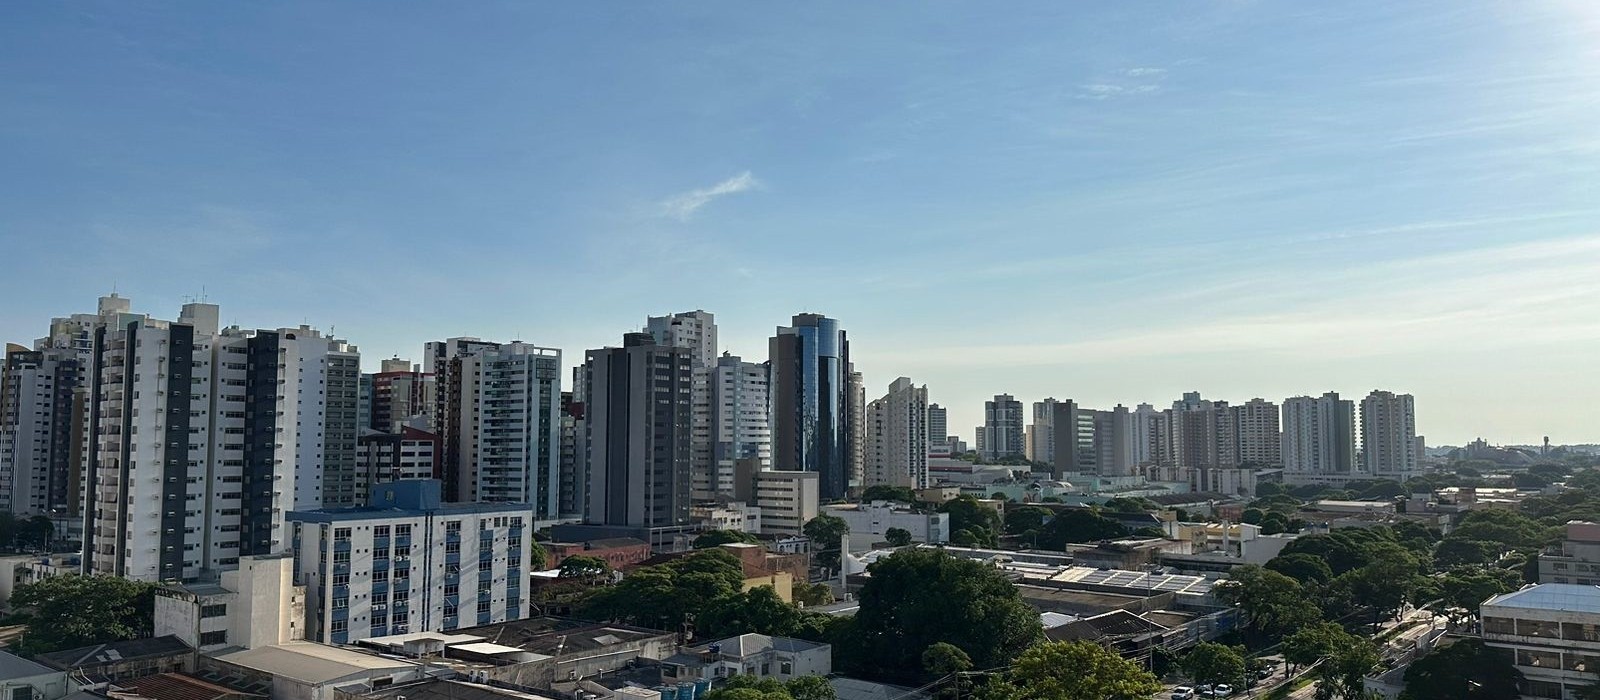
pixel 1551 632
pixel 619 552
pixel 21 679
pixel 23 569
pixel 787 500
pixel 727 516
pixel 871 521
pixel 1576 559
pixel 536 653
pixel 757 655
pixel 97 664
pixel 254 605
pixel 410 562
pixel 306 670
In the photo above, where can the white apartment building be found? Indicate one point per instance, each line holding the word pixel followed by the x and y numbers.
pixel 40 432
pixel 1388 431
pixel 409 562
pixel 696 331
pixel 897 437
pixel 204 437
pixel 871 521
pixel 1040 434
pixel 787 500
pixel 1260 444
pixel 499 422
pixel 1551 632
pixel 1319 434
pixel 740 425
pixel 255 605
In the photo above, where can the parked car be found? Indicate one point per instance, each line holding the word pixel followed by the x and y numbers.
pixel 1183 692
pixel 1223 691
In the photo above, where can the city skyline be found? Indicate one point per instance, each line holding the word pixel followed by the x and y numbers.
pixel 1038 218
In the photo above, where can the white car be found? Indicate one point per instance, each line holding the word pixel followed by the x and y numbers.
pixel 1183 692
pixel 1223 690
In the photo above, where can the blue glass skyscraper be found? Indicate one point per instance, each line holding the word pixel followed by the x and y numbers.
pixel 812 414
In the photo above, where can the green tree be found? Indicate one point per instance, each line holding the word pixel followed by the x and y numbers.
pixel 582 566
pixel 1466 590
pixel 941 659
pixel 812 594
pixel 74 611
pixel 1312 643
pixel 811 688
pixel 1272 604
pixel 1304 568
pixel 917 597
pixel 665 596
pixel 1210 663
pixel 758 611
pixel 1074 525
pixel 716 538
pixel 966 513
pixel 825 532
pixel 885 492
pixel 1342 675
pixel 1078 670
pixel 897 536
pixel 1024 519
pixel 1252 516
pixel 750 687
pixel 1384 584
pixel 1466 670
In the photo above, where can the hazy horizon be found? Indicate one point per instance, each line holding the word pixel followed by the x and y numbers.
pixel 1114 204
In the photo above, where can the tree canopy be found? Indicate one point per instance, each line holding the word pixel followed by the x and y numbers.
pixel 1210 663
pixel 583 566
pixel 1466 670
pixel 74 611
pixel 663 596
pixel 1075 525
pixel 825 532
pixel 715 538
pixel 897 537
pixel 980 521
pixel 1271 603
pixel 919 597
pixel 1078 670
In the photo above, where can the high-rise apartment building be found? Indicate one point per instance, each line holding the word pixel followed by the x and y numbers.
pixel 498 416
pixel 897 437
pixel 1002 428
pixel 740 428
pixel 204 437
pixel 409 562
pixel 1041 437
pixel 410 453
pixel 637 409
pixel 1259 442
pixel 401 392
pixel 572 500
pixel 1388 431
pixel 1095 442
pixel 856 466
pixel 40 432
pixel 938 427
pixel 814 418
pixel 1151 435
pixel 696 331
pixel 1319 434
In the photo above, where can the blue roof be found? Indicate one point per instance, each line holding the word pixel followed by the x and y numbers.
pixel 1567 597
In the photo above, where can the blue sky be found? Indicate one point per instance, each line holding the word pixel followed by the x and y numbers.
pixel 1113 202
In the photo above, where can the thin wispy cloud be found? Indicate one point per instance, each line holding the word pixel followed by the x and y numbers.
pixel 1125 83
pixel 683 206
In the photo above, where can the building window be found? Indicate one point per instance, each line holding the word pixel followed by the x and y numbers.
pixel 339 626
pixel 380 531
pixel 452 547
pixel 786 668
pixel 211 638
pixel 1499 625
pixel 22 693
pixel 217 610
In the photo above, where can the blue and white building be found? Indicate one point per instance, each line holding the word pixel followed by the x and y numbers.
pixel 409 562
